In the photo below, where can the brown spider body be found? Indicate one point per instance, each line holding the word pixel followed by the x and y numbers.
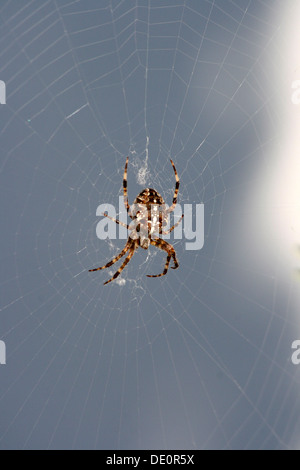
pixel 149 196
pixel 149 215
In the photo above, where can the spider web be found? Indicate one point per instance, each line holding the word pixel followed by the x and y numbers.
pixel 202 357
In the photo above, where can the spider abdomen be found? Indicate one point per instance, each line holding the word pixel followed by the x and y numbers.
pixel 149 196
pixel 149 214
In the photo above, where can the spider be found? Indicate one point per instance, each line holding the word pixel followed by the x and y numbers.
pixel 149 215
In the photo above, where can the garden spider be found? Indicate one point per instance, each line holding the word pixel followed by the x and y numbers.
pixel 149 215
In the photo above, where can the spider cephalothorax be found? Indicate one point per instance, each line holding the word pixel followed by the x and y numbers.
pixel 149 215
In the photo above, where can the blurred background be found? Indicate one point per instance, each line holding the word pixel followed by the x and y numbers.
pixel 198 359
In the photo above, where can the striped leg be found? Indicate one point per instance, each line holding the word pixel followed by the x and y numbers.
pixel 176 189
pixel 114 260
pixel 125 186
pixel 116 220
pixel 163 245
pixel 165 232
pixel 126 261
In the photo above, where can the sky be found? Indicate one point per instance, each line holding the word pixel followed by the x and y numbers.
pixel 202 357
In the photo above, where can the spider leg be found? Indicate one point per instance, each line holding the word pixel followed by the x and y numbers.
pixel 165 232
pixel 176 189
pixel 163 245
pixel 116 220
pixel 127 206
pixel 114 260
pixel 126 261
